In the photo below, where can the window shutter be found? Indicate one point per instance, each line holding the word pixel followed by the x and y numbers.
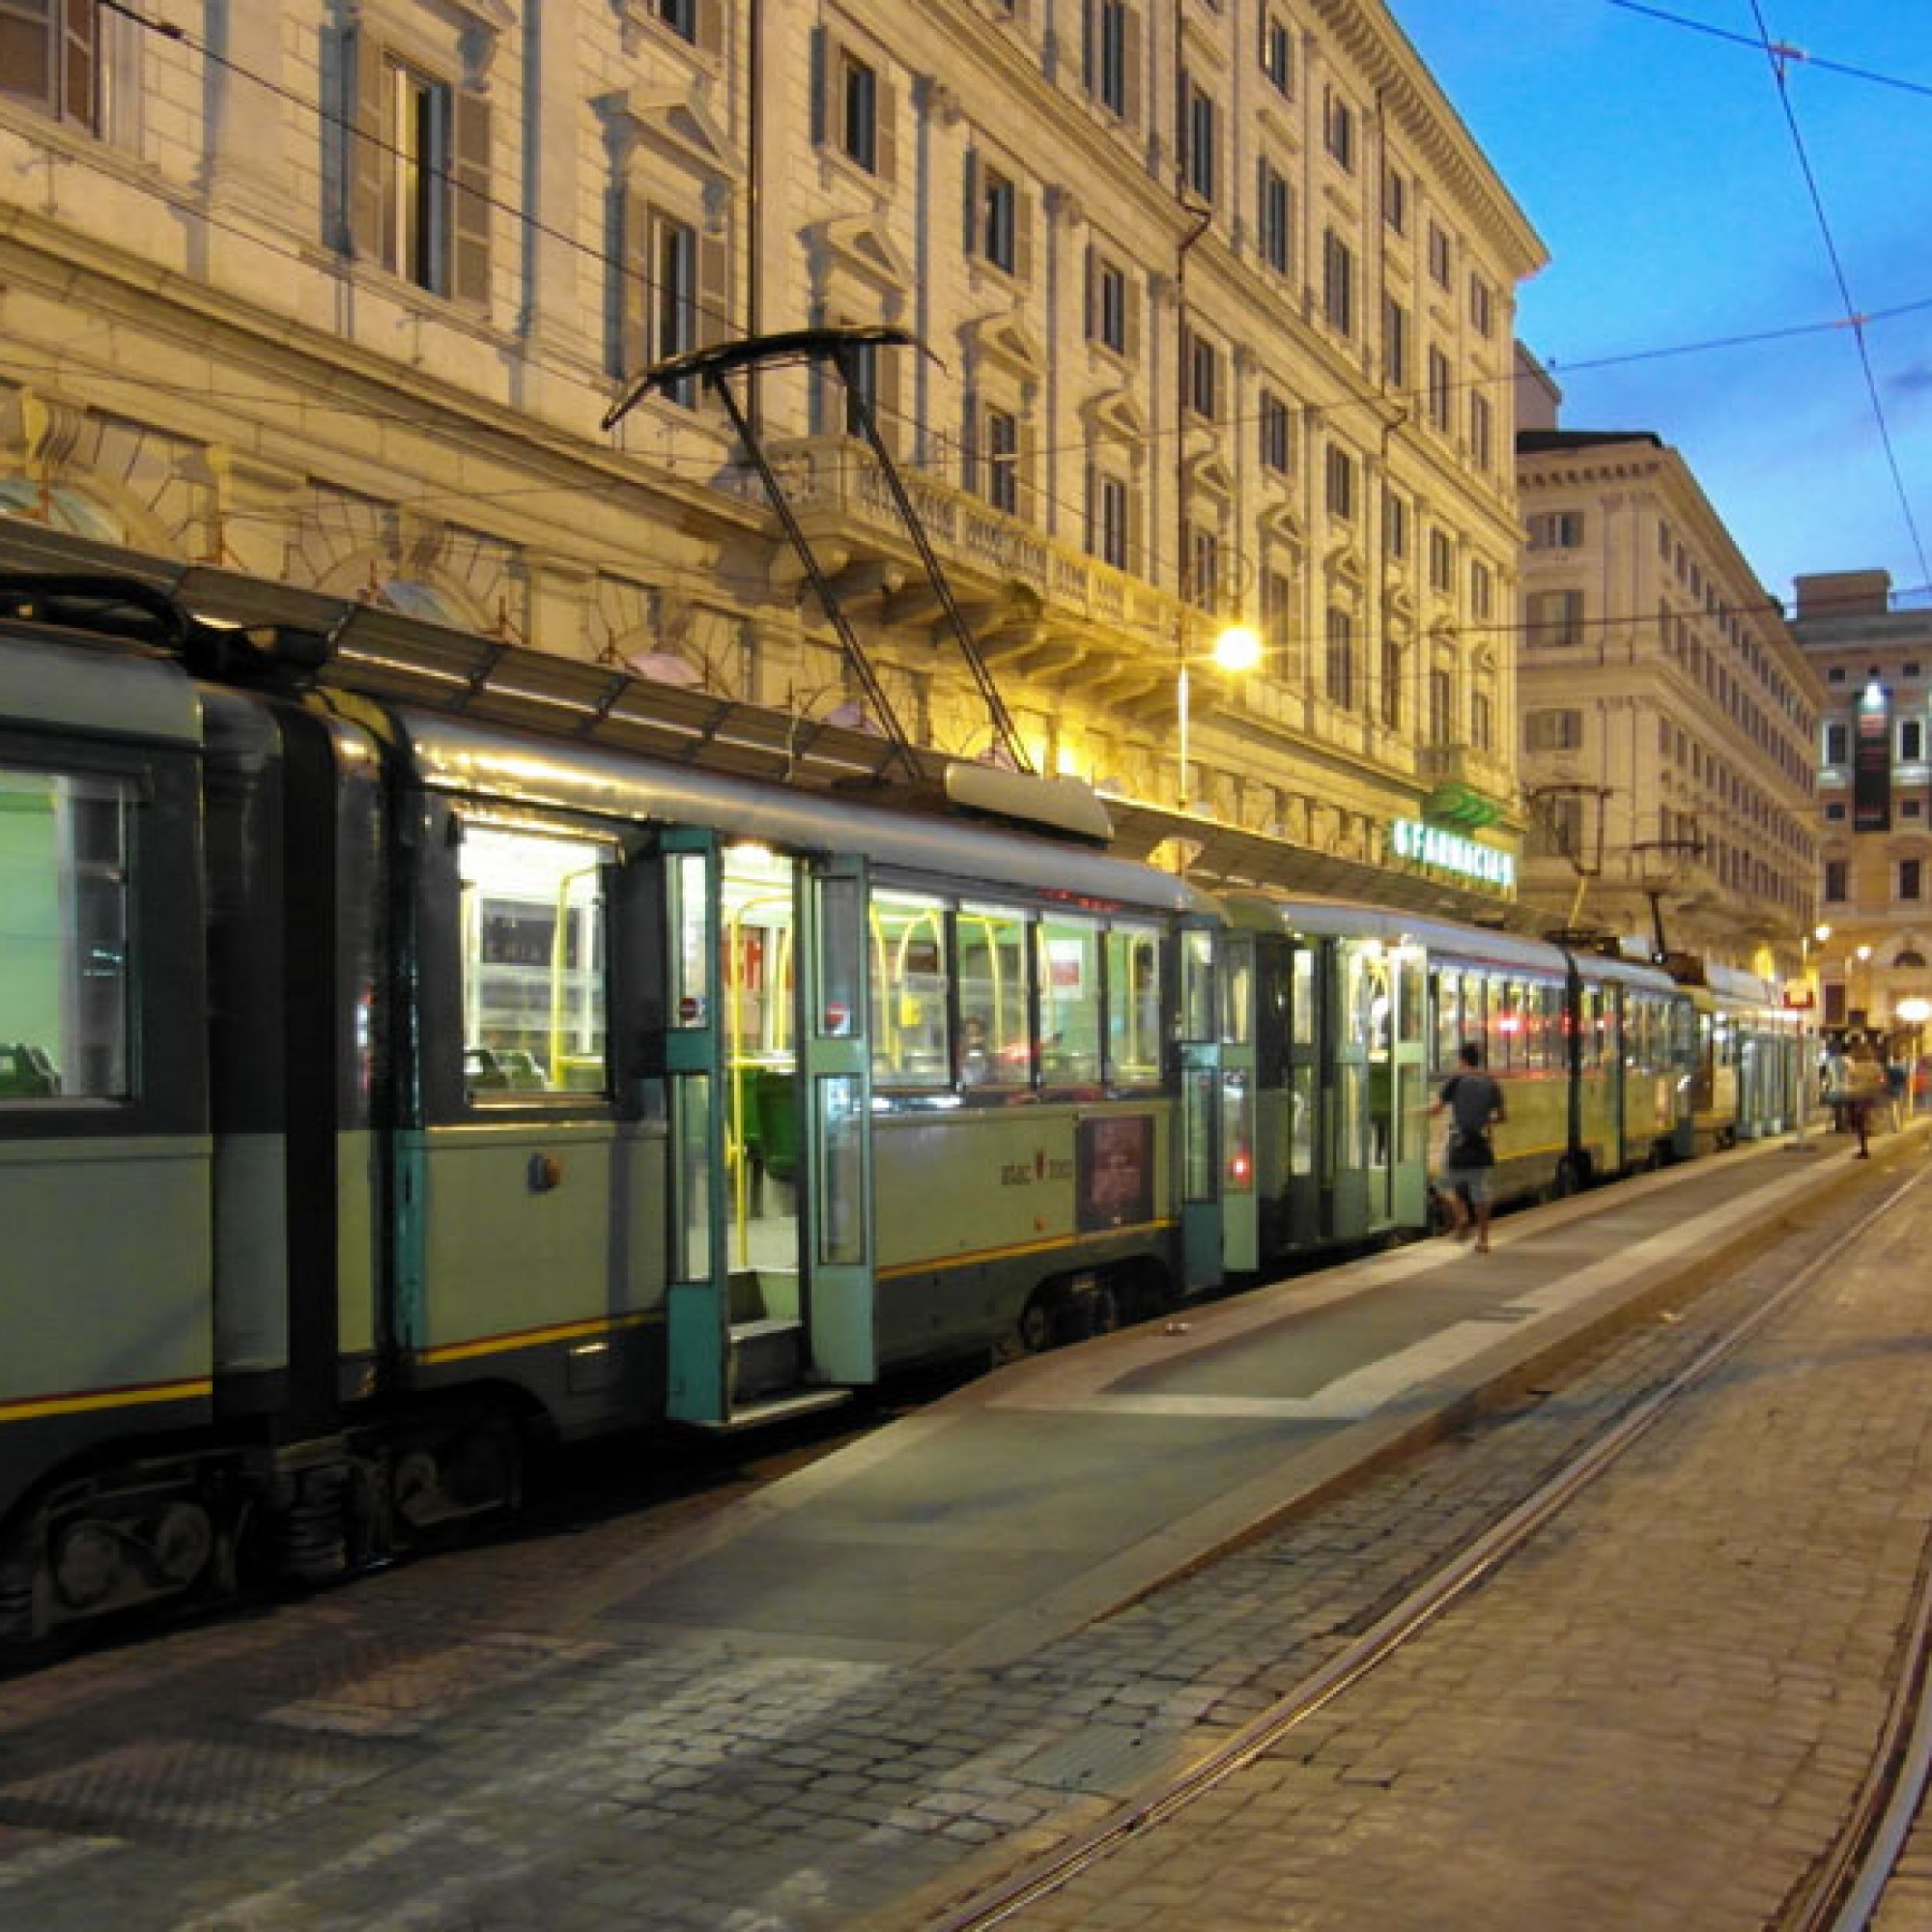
pixel 365 157
pixel 972 175
pixel 1091 542
pixel 1026 501
pixel 81 35
pixel 821 61
pixel 29 70
pixel 714 289
pixel 1131 304
pixel 1022 235
pixel 886 365
pixel 1130 38
pixel 887 134
pixel 469 210
pixel 1090 299
pixel 709 25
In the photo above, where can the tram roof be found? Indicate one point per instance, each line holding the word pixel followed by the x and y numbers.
pixel 453 754
pixel 1392 926
pixel 113 689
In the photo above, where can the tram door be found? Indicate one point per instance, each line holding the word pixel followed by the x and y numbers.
pixel 1355 1161
pixel 836 1105
pixel 1200 1112
pixel 1241 1211
pixel 697 1294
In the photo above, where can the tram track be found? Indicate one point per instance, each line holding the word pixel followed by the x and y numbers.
pixel 1843 1891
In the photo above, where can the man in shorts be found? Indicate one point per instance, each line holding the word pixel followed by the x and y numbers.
pixel 1473 1101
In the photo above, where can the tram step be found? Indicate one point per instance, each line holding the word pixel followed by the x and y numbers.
pixel 768 1410
pixel 767 1355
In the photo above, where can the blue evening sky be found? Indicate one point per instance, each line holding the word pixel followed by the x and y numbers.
pixel 1658 165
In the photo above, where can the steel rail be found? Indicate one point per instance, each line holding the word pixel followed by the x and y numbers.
pixel 997 1903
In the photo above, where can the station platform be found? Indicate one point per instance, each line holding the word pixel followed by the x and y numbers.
pixel 1058 1488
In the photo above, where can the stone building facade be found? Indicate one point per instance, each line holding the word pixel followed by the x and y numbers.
pixel 1875 798
pixel 1670 719
pixel 1215 299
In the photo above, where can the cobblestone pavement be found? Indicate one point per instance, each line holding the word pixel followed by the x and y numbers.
pixel 486 1741
pixel 1657 1716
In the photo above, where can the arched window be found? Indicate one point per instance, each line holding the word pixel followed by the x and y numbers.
pixel 61 507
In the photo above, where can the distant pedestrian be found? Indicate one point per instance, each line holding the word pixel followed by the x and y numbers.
pixel 1865 1090
pixel 1834 1080
pixel 1473 1101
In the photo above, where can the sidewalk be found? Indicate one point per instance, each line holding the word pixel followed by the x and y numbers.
pixel 1052 1490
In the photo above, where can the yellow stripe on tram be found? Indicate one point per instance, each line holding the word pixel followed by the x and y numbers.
pixel 534 1338
pixel 29 1409
pixel 1017 1251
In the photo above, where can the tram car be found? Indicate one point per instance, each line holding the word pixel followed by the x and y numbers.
pixel 1342 1023
pixel 1748 1055
pixel 385 1087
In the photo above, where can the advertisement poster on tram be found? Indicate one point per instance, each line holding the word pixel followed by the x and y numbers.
pixel 1115 1172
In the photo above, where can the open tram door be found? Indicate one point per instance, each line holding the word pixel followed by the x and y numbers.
pixel 1240 1200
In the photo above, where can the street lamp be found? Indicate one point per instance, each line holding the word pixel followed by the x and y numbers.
pixel 1237 648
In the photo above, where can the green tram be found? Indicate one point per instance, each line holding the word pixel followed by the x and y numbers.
pixel 1751 1056
pixel 1341 1024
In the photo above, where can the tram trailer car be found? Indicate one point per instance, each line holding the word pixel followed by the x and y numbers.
pixel 1748 1055
pixel 1343 1021
pixel 384 1088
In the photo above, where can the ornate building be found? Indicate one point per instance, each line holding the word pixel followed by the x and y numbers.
pixel 1216 301
pixel 1670 719
pixel 1875 794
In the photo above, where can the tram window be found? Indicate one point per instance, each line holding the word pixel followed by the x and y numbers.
pixel 1506 1026
pixel 1197 986
pixel 1364 1011
pixel 1475 1018
pixel 1302 1004
pixel 1237 992
pixel 1409 1016
pixel 909 987
pixel 1301 1122
pixel 1445 989
pixel 1591 1044
pixel 532 964
pixel 66 847
pixel 690 938
pixel 995 1039
pixel 1069 999
pixel 1133 1006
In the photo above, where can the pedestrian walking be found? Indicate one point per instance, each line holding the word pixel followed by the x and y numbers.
pixel 1865 1090
pixel 1834 1080
pixel 1473 1101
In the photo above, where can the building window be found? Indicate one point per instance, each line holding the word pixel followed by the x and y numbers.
pixel 1276 207
pixel 861 389
pixel 1911 740
pixel 1204 566
pixel 1338 671
pixel 1340 484
pixel 1909 879
pixel 1107 304
pixel 1837 744
pixel 1277 450
pixel 1000 447
pixel 1441 705
pixel 859 112
pixel 1337 283
pixel 1835 812
pixel 999 209
pixel 1108 511
pixel 1439 254
pixel 1556 530
pixel 417 174
pixel 1835 874
pixel 1441 561
pixel 1277 609
pixel 1554 617
pixel 673 296
pixel 1482 589
pixel 1203 378
pixel 1109 48
pixel 1395 343
pixel 1391 690
pixel 1198 142
pixel 1482 718
pixel 50 57
pixel 1482 308
pixel 1440 389
pixel 1480 439
pixel 1338 128
pixel 1395 524
pixel 1557 730
pixel 1278 52
pixel 1395 200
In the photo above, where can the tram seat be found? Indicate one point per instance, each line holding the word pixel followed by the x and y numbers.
pixel 775 1109
pixel 26 1073
pixel 502 1071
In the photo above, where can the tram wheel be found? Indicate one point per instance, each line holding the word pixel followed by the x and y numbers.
pixel 1035 1325
pixel 1103 1309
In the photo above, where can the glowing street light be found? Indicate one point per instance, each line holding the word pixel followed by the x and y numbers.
pixel 1237 648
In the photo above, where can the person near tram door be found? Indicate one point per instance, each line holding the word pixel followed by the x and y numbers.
pixel 1474 1102
pixel 1865 1090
